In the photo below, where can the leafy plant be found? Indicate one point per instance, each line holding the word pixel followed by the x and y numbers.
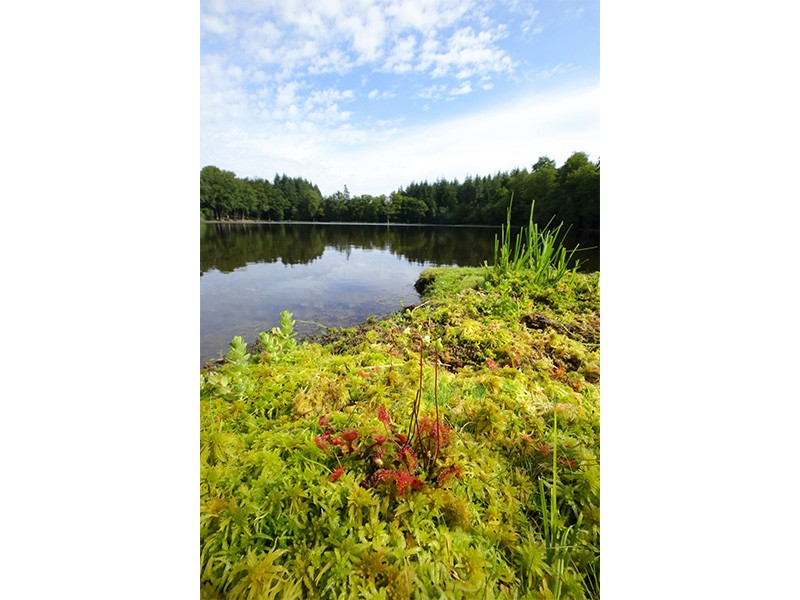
pixel 280 340
pixel 237 354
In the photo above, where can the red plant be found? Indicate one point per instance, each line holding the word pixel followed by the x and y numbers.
pixel 435 430
pixel 447 472
pixel 402 479
pixel 345 441
pixel 383 417
pixel 337 472
pixel 407 456
pixel 409 459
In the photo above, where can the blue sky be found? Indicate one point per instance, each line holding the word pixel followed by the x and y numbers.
pixel 374 94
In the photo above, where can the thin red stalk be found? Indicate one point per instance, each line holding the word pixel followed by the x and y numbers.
pixel 438 424
pixel 413 426
pixel 419 392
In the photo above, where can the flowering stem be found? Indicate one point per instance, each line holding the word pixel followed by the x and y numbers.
pixel 413 426
pixel 438 424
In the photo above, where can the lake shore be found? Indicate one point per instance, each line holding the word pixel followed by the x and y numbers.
pixel 451 449
pixel 384 223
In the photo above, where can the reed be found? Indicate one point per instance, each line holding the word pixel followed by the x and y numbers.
pixel 540 251
pixel 562 541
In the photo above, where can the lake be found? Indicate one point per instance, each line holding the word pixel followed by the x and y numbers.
pixel 326 275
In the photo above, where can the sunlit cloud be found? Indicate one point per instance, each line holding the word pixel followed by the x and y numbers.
pixel 464 88
pixel 375 93
pixel 379 159
pixel 331 36
pixel 464 54
pixel 378 95
pixel 555 125
pixel 401 58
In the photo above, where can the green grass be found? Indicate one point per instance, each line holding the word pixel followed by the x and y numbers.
pixel 541 252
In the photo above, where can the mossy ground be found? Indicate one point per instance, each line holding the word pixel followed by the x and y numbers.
pixel 514 358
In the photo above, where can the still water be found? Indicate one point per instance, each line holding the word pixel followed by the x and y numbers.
pixel 327 275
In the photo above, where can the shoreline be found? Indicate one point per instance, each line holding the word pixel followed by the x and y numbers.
pixel 385 224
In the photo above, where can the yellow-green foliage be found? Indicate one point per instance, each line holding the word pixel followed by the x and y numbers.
pixel 515 359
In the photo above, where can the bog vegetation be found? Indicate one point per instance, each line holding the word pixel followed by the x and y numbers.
pixel 450 450
pixel 569 193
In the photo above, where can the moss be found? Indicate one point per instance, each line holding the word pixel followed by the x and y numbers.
pixel 515 357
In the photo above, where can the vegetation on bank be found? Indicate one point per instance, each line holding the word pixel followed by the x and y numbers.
pixel 450 450
pixel 569 193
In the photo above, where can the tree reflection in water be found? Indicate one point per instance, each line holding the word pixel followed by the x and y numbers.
pixel 326 274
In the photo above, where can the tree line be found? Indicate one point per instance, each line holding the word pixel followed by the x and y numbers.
pixel 569 193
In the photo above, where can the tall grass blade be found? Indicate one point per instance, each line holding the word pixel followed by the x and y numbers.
pixel 540 251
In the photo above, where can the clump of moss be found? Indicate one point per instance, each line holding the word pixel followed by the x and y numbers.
pixel 515 381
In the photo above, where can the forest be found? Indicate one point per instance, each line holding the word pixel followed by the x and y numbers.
pixel 569 193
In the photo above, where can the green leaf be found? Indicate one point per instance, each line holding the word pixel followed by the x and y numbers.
pixel 238 350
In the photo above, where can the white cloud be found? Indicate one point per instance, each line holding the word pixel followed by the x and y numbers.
pixel 282 96
pixel 380 158
pixel 466 53
pixel 330 114
pixel 496 139
pixel 432 92
pixel 335 36
pixel 335 61
pixel 261 38
pixel 323 106
pixel 401 58
pixel 464 88
pixel 217 6
pixel 294 108
pixel 217 25
pixel 367 34
pixel 221 92
pixel 527 17
pixel 574 13
pixel 287 94
pixel 427 16
pixel 330 95
pixel 378 95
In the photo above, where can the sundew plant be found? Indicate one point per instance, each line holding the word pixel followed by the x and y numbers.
pixel 448 451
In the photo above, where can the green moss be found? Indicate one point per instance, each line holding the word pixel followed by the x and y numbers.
pixel 514 358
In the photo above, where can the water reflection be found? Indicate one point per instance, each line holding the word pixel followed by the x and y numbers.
pixel 326 275
pixel 228 246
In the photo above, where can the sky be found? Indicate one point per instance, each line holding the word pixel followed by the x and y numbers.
pixel 375 94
